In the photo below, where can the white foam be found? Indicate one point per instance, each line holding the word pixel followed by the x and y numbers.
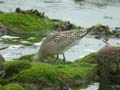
pixel 9 37
pixel 15 46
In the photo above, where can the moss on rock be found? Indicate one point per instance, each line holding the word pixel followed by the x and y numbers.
pixel 13 86
pixel 26 25
pixel 43 75
pixel 91 58
pixel 1 59
pixel 29 23
pixel 100 30
pixel 109 61
pixel 14 67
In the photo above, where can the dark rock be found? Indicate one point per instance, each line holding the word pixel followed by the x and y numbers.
pixel 63 25
pixel 107 86
pixel 108 17
pixel 100 30
pixel 2 67
pixel 1 59
pixel 2 70
pixel 2 2
pixel 109 62
pixel 5 30
pixel 31 11
pixel 2 26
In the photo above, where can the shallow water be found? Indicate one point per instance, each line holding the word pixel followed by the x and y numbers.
pixel 94 86
pixel 80 12
pixel 84 47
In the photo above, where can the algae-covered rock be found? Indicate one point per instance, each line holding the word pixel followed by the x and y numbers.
pixel 64 25
pixel 109 62
pixel 2 70
pixel 26 25
pixel 44 76
pixel 100 30
pixel 14 67
pixel 1 59
pixel 91 58
pixel 2 67
pixel 50 59
pixel 29 23
pixel 13 86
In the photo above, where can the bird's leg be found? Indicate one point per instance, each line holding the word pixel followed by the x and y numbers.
pixel 57 58
pixel 63 58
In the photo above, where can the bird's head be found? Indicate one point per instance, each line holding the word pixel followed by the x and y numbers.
pixel 38 57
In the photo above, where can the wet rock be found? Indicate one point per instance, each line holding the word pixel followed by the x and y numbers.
pixel 2 29
pixel 2 2
pixel 108 17
pixel 2 70
pixel 31 11
pixel 106 85
pixel 109 63
pixel 1 59
pixel 5 30
pixel 2 67
pixel 117 29
pixel 100 30
pixel 63 25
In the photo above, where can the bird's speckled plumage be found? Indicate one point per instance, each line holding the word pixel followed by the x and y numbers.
pixel 58 43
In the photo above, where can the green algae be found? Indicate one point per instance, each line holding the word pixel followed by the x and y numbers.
pixel 50 75
pixel 91 58
pixel 14 67
pixel 30 23
pixel 26 26
pixel 26 22
pixel 1 59
pixel 13 86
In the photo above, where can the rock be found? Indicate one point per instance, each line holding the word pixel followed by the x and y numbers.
pixel 2 70
pixel 109 62
pixel 4 30
pixel 2 67
pixel 1 59
pixel 44 76
pixel 63 25
pixel 100 30
pixel 2 2
pixel 31 11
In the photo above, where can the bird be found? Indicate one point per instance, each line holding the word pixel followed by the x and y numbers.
pixel 2 70
pixel 59 43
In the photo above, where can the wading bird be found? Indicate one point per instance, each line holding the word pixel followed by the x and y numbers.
pixel 58 43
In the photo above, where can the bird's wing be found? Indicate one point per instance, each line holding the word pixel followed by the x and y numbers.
pixel 62 40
